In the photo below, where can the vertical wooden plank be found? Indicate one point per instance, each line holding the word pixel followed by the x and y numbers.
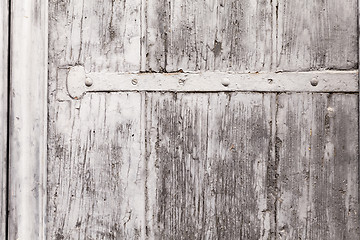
pixel 28 119
pixel 97 187
pixel 318 167
pixel 207 159
pixel 209 35
pixel 315 34
pixel 4 35
pixel 176 159
pixel 241 162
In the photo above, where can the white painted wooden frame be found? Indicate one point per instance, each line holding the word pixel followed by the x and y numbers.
pixel 4 30
pixel 28 119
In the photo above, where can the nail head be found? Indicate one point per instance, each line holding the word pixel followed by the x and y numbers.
pixel 88 82
pixel 314 82
pixel 225 82
pixel 134 81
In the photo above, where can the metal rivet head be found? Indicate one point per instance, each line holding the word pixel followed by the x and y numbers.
pixel 88 82
pixel 225 82
pixel 134 81
pixel 314 82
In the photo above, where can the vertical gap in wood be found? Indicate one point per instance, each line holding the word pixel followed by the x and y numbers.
pixel 144 104
pixel 277 145
pixel 150 226
pixel 143 38
pixel 274 35
pixel 358 33
pixel 8 123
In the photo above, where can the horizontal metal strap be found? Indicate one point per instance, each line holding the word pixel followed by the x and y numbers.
pixel 79 83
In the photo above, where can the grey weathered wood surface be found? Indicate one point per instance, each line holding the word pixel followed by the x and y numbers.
pixel 4 11
pixel 202 165
pixel 97 169
pixel 28 120
pixel 251 35
pixel 316 34
pixel 244 36
pixel 208 156
pixel 317 166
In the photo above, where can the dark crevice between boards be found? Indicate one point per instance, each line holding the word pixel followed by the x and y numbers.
pixel 148 228
pixel 278 144
pixel 272 170
pixel 180 70
pixel 358 112
pixel 189 71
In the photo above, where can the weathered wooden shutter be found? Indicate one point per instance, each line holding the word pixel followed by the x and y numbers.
pixel 183 119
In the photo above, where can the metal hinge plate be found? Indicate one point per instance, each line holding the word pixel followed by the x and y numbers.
pixel 73 82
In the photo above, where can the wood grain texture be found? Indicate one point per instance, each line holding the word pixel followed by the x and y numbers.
pixel 209 35
pixel 316 35
pixel 28 119
pixel 4 35
pixel 202 166
pixel 250 36
pixel 240 36
pixel 101 35
pixel 207 157
pixel 95 166
pixel 96 169
pixel 318 166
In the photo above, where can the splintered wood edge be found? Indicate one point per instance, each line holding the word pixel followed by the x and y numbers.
pixel 74 82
